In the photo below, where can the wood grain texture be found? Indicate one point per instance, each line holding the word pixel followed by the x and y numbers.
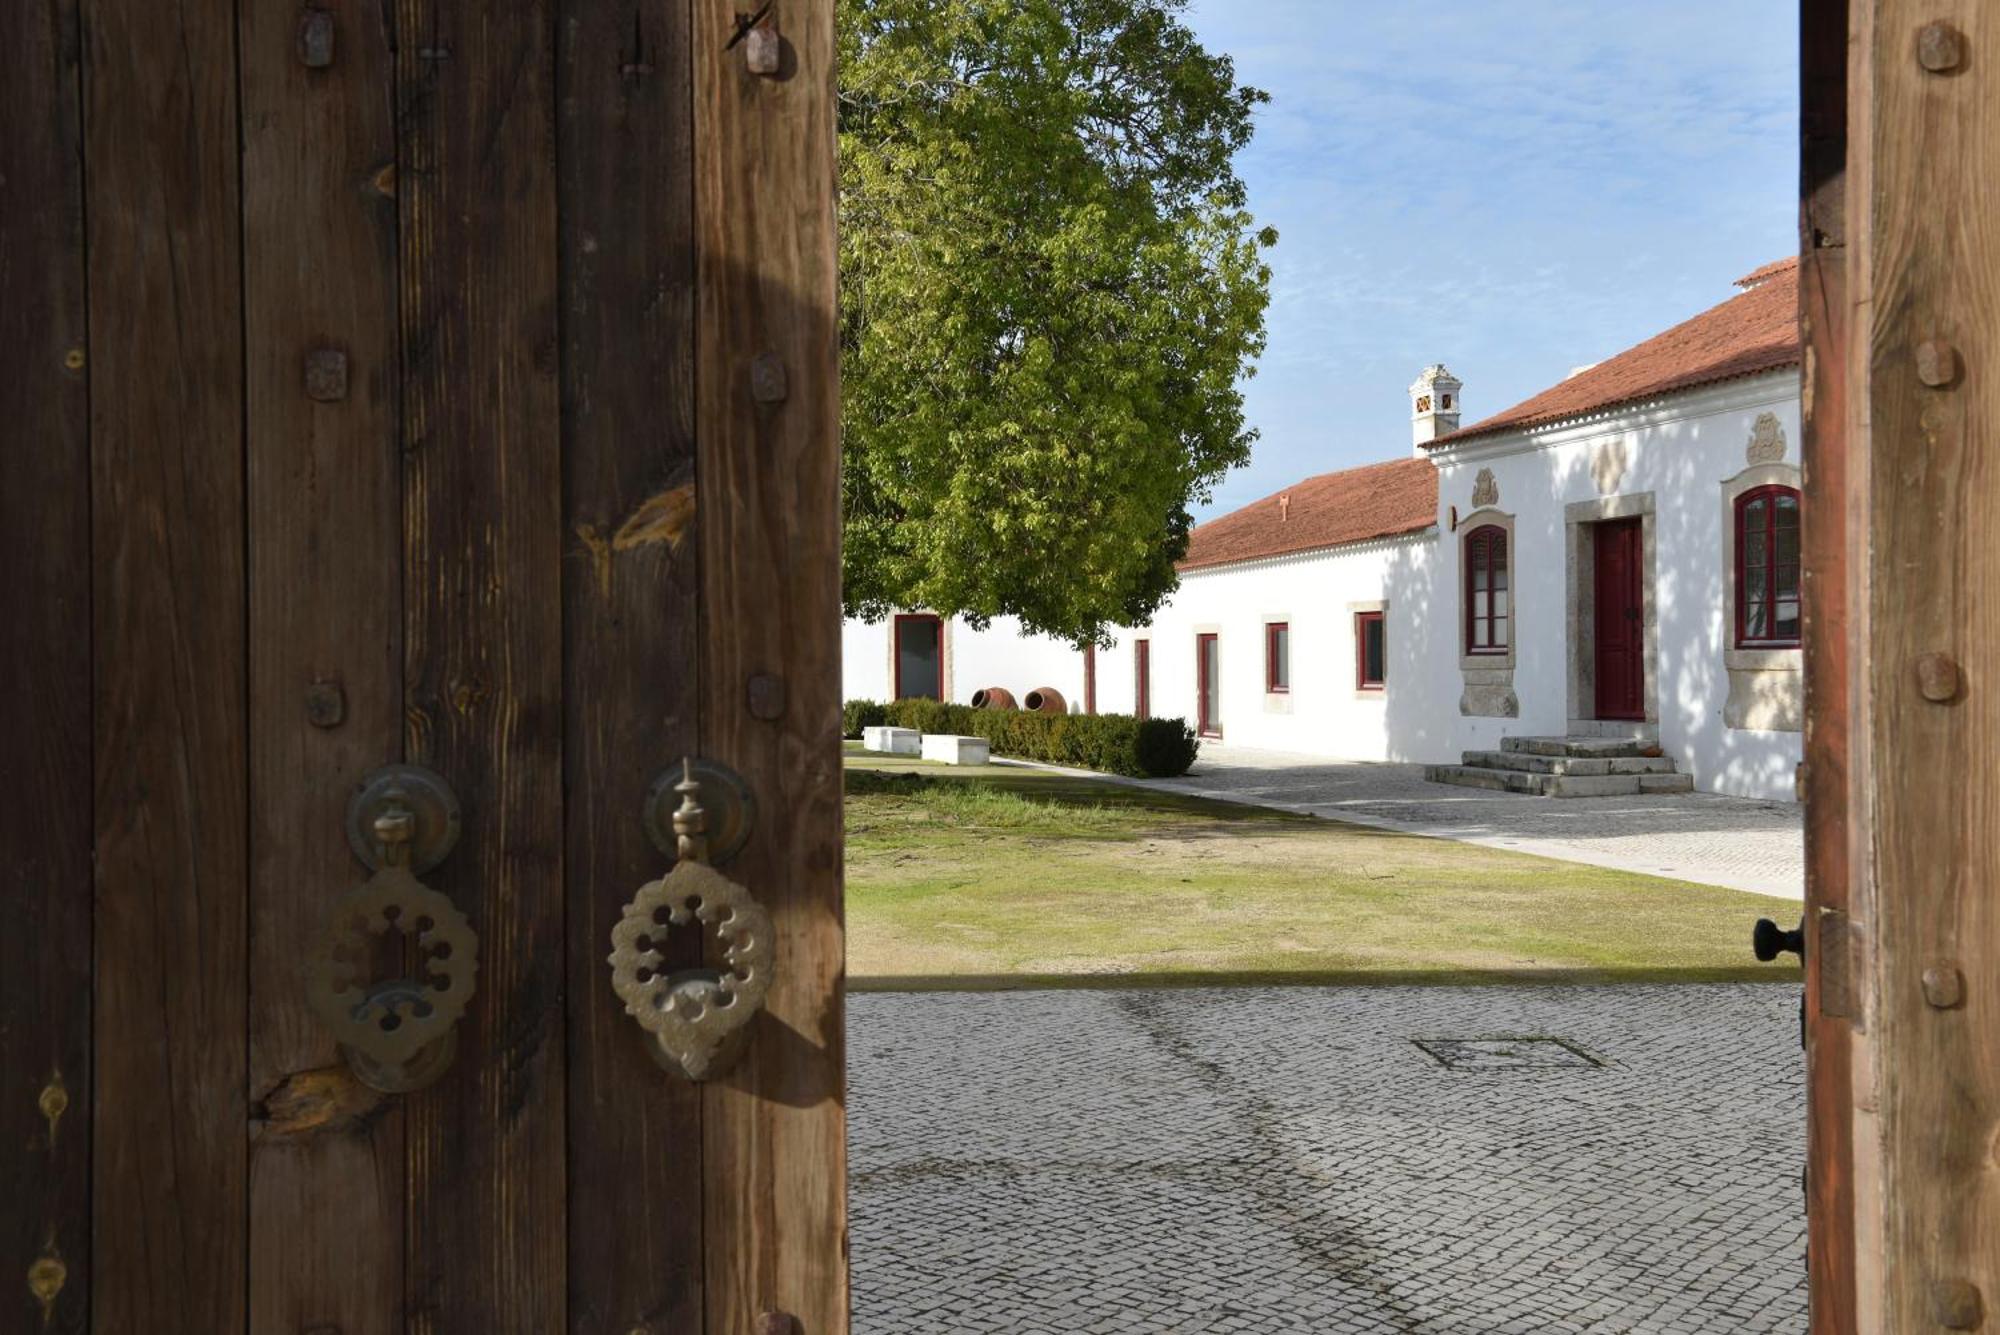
pixel 1823 297
pixel 769 507
pixel 169 651
pixel 483 641
pixel 325 541
pixel 630 592
pixel 1933 273
pixel 45 821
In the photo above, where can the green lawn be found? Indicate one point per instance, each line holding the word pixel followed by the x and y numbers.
pixel 1001 876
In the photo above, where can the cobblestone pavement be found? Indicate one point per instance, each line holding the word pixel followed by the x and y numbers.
pixel 1728 841
pixel 1288 1160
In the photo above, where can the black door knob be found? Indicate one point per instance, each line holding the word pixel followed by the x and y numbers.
pixel 1769 940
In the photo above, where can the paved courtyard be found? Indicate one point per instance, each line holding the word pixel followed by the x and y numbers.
pixel 1727 841
pixel 1290 1160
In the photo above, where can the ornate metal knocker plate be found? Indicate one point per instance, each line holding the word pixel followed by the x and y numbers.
pixel 698 1018
pixel 397 1035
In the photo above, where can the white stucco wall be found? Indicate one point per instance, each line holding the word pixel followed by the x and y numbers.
pixel 1315 595
pixel 1682 453
pixel 999 655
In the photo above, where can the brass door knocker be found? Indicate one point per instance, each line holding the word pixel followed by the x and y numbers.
pixel 698 1018
pixel 396 1035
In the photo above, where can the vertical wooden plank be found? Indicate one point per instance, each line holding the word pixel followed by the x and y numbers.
pixel 1934 617
pixel 45 821
pixel 630 596
pixel 325 536
pixel 483 647
pixel 1831 1008
pixel 166 350
pixel 768 422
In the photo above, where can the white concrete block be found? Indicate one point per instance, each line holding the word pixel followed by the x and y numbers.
pixel 894 741
pixel 956 750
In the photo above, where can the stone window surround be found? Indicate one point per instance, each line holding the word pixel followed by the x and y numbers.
pixel 1380 693
pixel 1275 702
pixel 1766 686
pixel 1579 544
pixel 1489 678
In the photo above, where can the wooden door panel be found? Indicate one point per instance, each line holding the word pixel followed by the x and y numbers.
pixel 325 609
pixel 630 589
pixel 169 649
pixel 45 753
pixel 767 412
pixel 404 324
pixel 482 614
pixel 1617 627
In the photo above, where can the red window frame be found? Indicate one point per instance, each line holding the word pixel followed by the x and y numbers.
pixel 1773 498
pixel 896 650
pixel 1204 686
pixel 1362 621
pixel 1277 671
pixel 1142 678
pixel 1090 679
pixel 1485 551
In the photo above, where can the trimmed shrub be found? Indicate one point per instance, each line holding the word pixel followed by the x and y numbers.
pixel 1152 748
pixel 858 714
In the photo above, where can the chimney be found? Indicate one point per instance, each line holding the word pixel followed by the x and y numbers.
pixel 1433 407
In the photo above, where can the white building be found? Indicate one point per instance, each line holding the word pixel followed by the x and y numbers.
pixel 1615 558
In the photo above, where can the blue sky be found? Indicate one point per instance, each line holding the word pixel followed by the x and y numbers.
pixel 1511 187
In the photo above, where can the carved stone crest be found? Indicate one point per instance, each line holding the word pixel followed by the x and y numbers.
pixel 1485 490
pixel 1767 440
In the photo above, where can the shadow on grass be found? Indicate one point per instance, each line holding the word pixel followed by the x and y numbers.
pixel 1105 982
pixel 1061 791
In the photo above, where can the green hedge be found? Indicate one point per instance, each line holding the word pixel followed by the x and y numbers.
pixel 1148 748
pixel 858 714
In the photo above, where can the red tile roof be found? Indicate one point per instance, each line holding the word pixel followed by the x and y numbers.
pixel 1378 501
pixel 1748 334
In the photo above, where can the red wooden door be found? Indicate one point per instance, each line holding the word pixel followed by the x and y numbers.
pixel 1208 712
pixel 1620 627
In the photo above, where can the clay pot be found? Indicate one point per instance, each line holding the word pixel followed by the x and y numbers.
pixel 1045 700
pixel 994 697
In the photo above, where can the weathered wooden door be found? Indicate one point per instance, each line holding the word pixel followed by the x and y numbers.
pixel 1618 624
pixel 439 383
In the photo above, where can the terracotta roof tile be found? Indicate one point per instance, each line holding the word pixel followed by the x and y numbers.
pixel 1378 501
pixel 1748 334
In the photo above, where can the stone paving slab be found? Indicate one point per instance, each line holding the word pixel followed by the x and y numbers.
pixel 1289 1160
pixel 1735 842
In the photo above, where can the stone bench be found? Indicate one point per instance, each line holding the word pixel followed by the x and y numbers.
pixel 894 741
pixel 956 750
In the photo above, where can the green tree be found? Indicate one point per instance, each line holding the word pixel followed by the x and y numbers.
pixel 1050 291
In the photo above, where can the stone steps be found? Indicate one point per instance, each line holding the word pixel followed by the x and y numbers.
pixel 1579 766
pixel 1567 767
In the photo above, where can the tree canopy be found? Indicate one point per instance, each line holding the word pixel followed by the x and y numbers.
pixel 1050 288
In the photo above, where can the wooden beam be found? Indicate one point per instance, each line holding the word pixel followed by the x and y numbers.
pixel 326 700
pixel 1925 302
pixel 482 613
pixel 630 589
pixel 169 648
pixel 45 761
pixel 1831 1002
pixel 768 425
